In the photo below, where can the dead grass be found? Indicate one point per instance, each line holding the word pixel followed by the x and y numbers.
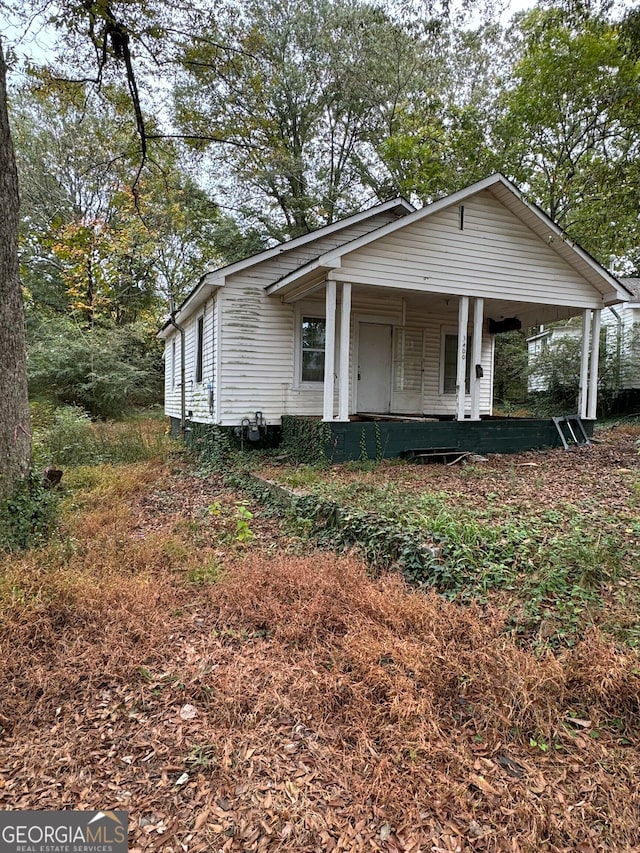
pixel 310 707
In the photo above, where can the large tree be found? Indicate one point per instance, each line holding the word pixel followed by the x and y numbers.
pixel 89 246
pixel 294 98
pixel 569 127
pixel 15 445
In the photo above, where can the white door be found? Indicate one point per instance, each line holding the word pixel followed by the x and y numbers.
pixel 374 368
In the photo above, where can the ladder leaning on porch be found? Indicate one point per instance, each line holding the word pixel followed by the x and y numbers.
pixel 571 431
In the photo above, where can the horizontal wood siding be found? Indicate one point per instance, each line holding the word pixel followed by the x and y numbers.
pixel 495 255
pixel 625 335
pixel 273 269
pixel 171 378
pixel 197 393
pixel 258 333
pixel 257 359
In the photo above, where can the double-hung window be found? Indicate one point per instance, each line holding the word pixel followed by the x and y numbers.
pixel 313 345
pixel 450 364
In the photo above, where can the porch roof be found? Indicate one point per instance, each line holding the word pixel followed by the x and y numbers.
pixel 310 276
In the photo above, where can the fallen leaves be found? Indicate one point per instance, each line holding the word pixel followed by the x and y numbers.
pixel 297 705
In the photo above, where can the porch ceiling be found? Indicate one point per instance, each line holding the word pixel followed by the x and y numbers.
pixel 529 313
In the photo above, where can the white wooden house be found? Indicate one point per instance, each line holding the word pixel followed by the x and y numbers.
pixel 391 311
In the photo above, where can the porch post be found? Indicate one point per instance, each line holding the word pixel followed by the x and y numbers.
pixel 343 370
pixel 329 351
pixel 476 356
pixel 584 363
pixel 463 320
pixel 593 367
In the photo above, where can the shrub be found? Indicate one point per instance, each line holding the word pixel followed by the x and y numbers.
pixel 28 516
pixel 71 438
pixel 104 371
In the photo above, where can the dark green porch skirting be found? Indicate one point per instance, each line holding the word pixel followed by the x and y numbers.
pixel 388 439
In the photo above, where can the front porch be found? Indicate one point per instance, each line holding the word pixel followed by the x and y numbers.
pixel 392 438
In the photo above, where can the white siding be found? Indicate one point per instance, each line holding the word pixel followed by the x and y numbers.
pixel 257 337
pixel 625 334
pixel 495 255
pixel 258 359
pixel 234 326
pixel 172 375
pixel 197 395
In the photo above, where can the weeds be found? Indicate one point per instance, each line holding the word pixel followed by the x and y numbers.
pixel 552 566
pixel 67 436
pixel 321 694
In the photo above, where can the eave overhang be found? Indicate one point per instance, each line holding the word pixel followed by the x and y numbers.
pixel 611 290
pixel 203 290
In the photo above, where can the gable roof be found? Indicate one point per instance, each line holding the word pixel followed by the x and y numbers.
pixel 215 278
pixel 511 197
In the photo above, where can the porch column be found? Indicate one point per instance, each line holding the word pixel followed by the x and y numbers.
pixel 584 363
pixel 329 351
pixel 593 367
pixel 463 320
pixel 476 356
pixel 343 370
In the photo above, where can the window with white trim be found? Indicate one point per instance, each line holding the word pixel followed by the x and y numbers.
pixel 199 348
pixel 449 364
pixel 312 340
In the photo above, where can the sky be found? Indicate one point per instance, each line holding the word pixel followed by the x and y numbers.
pixel 37 42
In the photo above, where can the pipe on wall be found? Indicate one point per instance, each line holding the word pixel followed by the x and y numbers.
pixel 183 399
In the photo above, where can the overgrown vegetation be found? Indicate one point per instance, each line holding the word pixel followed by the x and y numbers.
pixel 556 565
pixel 104 371
pixel 68 436
pixel 65 438
pixel 305 440
pixel 555 371
pixel 28 517
pixel 280 700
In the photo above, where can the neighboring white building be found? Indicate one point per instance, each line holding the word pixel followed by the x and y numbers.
pixel 622 325
pixel 622 328
pixel 390 311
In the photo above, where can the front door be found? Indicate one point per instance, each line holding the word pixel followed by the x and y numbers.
pixel 374 368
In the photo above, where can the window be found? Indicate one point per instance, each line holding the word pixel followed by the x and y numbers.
pixel 407 360
pixel 450 364
pixel 199 348
pixel 313 337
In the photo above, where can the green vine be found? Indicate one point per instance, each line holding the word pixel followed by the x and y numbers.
pixel 379 450
pixel 364 456
pixel 213 444
pixel 306 440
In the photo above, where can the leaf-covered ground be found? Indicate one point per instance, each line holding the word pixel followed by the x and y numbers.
pixel 235 690
pixel 553 537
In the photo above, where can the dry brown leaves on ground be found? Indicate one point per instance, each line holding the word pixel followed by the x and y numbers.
pixel 294 704
pixel 600 475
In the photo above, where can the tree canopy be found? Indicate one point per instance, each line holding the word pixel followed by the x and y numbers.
pixel 155 141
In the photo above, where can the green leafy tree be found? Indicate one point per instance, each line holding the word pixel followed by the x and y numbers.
pixel 104 371
pixel 568 132
pixel 511 365
pixel 294 103
pixel 89 244
pixel 439 139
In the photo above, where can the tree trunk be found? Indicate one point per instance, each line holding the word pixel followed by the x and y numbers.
pixel 15 440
